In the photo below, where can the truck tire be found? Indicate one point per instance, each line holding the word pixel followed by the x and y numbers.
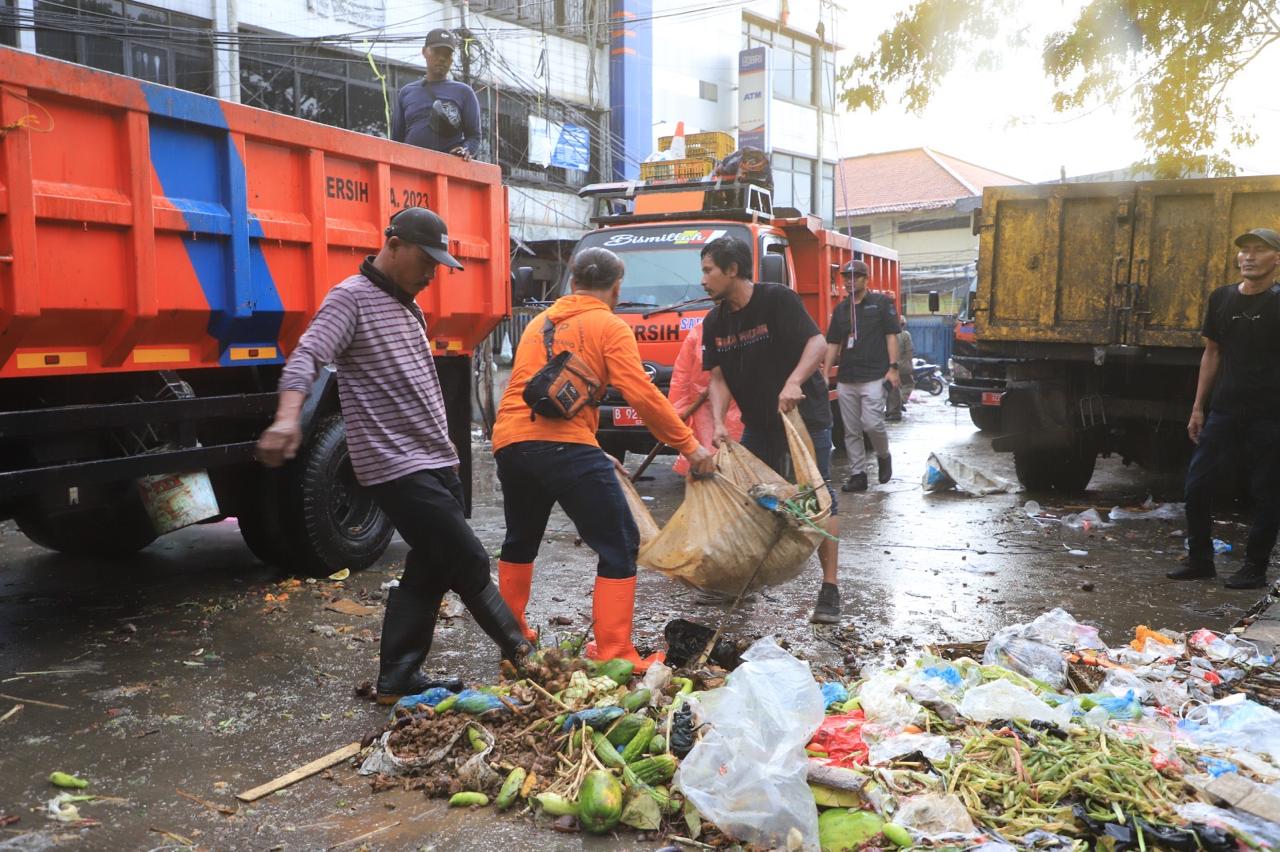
pixel 261 524
pixel 986 419
pixel 330 522
pixel 112 531
pixel 1067 470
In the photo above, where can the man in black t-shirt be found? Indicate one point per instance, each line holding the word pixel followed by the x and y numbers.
pixel 764 352
pixel 863 339
pixel 1240 368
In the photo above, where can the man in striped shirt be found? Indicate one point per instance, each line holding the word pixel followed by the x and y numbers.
pixel 372 329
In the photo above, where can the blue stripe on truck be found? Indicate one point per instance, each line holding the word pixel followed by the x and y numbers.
pixel 202 174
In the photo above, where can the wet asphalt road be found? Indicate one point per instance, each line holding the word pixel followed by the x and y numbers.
pixel 192 667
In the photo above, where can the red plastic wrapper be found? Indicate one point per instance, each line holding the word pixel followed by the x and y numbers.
pixel 840 738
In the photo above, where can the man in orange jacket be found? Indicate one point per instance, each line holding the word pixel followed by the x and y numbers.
pixel 544 460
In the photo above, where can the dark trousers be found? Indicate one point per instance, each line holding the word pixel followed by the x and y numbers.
pixel 1224 435
pixel 426 508
pixel 536 475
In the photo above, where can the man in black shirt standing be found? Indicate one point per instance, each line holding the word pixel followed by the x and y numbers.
pixel 1240 368
pixel 863 339
pixel 764 352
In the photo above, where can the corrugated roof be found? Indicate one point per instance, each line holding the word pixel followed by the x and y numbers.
pixel 913 179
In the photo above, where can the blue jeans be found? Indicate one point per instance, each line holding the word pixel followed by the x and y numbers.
pixel 536 475
pixel 1224 435
pixel 758 445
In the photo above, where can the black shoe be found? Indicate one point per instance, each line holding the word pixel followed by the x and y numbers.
pixel 407 629
pixel 1193 572
pixel 886 468
pixel 827 609
pixel 857 482
pixel 1247 577
pixel 493 615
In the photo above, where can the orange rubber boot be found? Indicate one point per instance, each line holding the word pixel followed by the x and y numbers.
pixel 515 579
pixel 613 608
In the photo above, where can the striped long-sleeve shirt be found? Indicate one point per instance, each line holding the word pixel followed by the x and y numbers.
pixel 387 382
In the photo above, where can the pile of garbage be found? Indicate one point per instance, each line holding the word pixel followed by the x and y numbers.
pixel 1045 738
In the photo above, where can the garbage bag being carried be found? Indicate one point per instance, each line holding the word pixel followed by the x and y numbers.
pixel 721 531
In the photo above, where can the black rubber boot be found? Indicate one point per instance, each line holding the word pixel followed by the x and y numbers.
pixel 407 629
pixel 1193 572
pixel 493 615
pixel 1248 577
pixel 885 470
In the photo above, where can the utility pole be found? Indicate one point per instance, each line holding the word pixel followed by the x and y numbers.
pixel 821 170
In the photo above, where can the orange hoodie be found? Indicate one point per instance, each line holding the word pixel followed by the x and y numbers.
pixel 609 346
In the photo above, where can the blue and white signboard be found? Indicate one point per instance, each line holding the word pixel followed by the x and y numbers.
pixel 565 146
pixel 755 93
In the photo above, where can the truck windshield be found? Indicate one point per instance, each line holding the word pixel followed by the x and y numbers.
pixel 663 261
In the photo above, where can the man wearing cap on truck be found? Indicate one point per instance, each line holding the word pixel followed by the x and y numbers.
pixel 765 353
pixel 397 434
pixel 436 112
pixel 549 458
pixel 1239 388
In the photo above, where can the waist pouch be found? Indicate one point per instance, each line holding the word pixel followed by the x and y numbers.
pixel 563 387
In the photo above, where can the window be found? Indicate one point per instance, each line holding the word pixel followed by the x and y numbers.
pixel 946 224
pixel 827 208
pixel 793 66
pixel 792 182
pixel 566 18
pixel 320 85
pixel 128 38
pixel 8 23
pixel 860 232
pixel 708 91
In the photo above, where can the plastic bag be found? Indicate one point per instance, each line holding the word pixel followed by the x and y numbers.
pixel 720 533
pixel 1036 660
pixel 1057 627
pixel 1087 521
pixel 942 472
pixel 934 814
pixel 884 705
pixel 834 692
pixel 840 739
pixel 747 773
pixel 930 745
pixel 1003 700
pixel 1235 722
pixel 1150 512
pixel 1255 828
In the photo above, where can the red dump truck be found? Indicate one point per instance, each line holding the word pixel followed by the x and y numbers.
pixel 160 254
pixel 659 229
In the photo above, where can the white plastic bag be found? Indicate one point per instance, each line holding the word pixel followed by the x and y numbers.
pixel 748 772
pixel 1001 699
pixel 942 472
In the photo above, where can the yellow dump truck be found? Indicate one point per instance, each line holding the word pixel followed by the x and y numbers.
pixel 1091 296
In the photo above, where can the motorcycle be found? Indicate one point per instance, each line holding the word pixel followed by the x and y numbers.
pixel 928 377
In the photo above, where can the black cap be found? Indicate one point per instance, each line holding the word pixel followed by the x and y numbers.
pixel 426 230
pixel 442 38
pixel 855 267
pixel 1267 235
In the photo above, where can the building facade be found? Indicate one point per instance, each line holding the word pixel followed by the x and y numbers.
pixel 537 68
pixel 919 202
pixel 695 80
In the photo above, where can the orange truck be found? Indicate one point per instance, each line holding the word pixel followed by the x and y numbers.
pixel 659 228
pixel 160 254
